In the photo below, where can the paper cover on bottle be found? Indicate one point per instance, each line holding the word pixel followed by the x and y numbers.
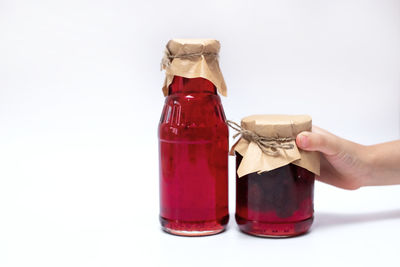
pixel 193 58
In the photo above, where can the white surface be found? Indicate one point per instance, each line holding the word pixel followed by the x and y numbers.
pixel 80 99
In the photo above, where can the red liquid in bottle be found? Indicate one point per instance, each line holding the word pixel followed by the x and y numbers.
pixel 193 147
pixel 277 203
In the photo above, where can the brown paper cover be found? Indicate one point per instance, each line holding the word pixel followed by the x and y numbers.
pixel 205 64
pixel 275 126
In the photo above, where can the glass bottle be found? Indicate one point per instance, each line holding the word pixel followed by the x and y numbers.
pixel 193 151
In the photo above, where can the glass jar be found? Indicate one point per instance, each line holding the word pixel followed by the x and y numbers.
pixel 274 179
pixel 276 203
pixel 193 147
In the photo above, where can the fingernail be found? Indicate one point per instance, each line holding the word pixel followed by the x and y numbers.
pixel 303 138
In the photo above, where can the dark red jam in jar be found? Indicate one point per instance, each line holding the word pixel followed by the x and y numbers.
pixel 274 179
pixel 193 153
pixel 277 203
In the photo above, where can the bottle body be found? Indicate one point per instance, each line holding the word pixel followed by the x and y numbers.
pixel 193 150
pixel 277 203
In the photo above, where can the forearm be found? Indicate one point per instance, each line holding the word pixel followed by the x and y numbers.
pixel 384 162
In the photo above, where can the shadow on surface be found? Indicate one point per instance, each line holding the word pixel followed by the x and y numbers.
pixel 327 219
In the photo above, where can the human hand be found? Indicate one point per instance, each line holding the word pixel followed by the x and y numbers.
pixel 343 163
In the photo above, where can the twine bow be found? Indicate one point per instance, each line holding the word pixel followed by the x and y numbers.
pixel 167 58
pixel 268 145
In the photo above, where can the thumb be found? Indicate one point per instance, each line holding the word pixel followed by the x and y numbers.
pixel 323 142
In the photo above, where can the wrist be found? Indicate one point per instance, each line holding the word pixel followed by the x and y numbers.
pixel 367 159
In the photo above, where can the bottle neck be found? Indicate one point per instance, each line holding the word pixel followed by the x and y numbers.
pixel 191 85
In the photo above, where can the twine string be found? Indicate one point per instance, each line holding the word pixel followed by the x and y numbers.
pixel 167 58
pixel 268 145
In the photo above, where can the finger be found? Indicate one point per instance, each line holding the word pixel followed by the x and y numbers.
pixel 323 142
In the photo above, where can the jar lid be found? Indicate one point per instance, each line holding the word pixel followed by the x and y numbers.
pixel 193 58
pixel 277 125
pixel 268 142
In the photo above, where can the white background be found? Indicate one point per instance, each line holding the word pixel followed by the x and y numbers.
pixel 80 100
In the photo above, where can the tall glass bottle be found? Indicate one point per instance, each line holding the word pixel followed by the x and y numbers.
pixel 193 151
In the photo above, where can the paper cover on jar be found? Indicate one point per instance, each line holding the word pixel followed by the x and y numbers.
pixel 280 131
